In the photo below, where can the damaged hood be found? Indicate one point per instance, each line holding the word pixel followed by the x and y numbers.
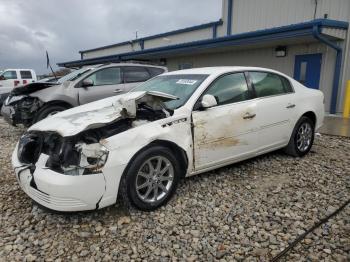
pixel 31 88
pixel 100 113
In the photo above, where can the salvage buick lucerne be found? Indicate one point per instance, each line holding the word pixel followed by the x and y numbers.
pixel 138 145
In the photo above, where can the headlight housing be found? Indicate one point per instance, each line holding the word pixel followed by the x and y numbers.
pixel 29 148
pixel 92 160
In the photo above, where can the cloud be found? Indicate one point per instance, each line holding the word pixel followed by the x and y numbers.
pixel 41 34
pixel 63 27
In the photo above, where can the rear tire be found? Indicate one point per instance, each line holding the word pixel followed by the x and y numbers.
pixel 48 111
pixel 150 179
pixel 302 138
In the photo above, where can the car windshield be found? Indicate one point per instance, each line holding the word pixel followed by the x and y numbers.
pixel 181 86
pixel 73 75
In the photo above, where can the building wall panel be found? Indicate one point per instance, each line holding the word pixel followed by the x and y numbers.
pixel 265 57
pixel 201 34
pixel 196 35
pixel 251 15
pixel 112 51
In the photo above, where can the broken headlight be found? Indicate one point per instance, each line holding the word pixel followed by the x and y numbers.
pixel 92 160
pixel 29 148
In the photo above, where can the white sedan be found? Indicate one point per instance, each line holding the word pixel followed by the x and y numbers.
pixel 140 144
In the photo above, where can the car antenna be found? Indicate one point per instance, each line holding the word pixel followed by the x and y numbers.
pixel 48 64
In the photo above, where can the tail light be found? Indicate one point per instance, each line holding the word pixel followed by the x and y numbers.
pixel 17 82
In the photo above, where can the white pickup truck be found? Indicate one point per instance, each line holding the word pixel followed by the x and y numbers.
pixel 17 77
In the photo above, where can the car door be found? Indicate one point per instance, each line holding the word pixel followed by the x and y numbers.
pixel 134 75
pixel 276 105
pixel 227 131
pixel 106 82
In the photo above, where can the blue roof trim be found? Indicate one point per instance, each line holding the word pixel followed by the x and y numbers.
pixel 293 30
pixel 178 31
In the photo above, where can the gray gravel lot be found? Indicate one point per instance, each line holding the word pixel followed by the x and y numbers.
pixel 248 211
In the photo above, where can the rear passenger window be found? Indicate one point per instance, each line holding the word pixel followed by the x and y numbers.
pixel 267 84
pixel 26 74
pixel 287 86
pixel 155 71
pixel 135 74
pixel 229 89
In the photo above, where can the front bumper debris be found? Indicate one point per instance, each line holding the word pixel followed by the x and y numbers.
pixel 57 191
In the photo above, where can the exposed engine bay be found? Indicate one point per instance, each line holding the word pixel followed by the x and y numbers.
pixel 82 153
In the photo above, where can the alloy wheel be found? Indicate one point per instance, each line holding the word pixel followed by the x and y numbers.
pixel 304 137
pixel 154 179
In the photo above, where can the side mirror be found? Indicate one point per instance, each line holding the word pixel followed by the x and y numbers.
pixel 2 78
pixel 87 83
pixel 208 101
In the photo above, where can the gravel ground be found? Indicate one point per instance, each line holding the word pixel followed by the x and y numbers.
pixel 248 211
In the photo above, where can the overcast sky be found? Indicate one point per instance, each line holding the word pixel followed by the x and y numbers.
pixel 64 27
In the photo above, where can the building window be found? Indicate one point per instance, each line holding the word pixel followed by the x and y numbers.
pixel 185 66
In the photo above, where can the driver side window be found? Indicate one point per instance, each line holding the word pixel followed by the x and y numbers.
pixel 107 76
pixel 10 75
pixel 229 89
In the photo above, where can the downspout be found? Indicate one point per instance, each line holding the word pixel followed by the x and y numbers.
pixel 338 60
pixel 215 30
pixel 229 17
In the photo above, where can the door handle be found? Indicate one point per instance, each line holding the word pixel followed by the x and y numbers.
pixel 117 91
pixel 249 116
pixel 290 106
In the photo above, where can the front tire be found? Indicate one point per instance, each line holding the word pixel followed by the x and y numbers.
pixel 302 138
pixel 47 111
pixel 151 179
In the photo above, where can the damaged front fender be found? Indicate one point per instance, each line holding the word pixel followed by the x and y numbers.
pixel 21 109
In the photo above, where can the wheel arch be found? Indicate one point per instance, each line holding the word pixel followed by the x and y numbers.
pixel 312 116
pixel 57 103
pixel 177 150
pixel 179 153
pixel 47 105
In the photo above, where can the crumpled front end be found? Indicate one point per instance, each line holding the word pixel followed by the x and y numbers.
pixel 62 173
pixel 58 191
pixel 20 109
pixel 68 169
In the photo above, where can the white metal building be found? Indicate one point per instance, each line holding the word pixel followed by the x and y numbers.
pixel 306 39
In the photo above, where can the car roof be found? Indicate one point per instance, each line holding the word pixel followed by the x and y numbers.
pixel 217 70
pixel 18 69
pixel 128 64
